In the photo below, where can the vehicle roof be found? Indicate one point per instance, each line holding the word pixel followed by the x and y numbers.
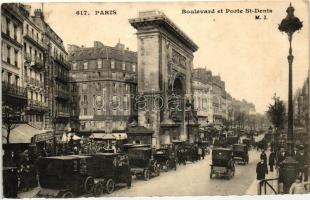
pixel 222 149
pixel 140 149
pixel 68 157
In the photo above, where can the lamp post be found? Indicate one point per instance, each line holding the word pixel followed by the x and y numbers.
pixel 288 170
pixel 188 106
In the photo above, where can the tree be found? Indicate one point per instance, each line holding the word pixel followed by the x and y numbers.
pixel 276 113
pixel 10 120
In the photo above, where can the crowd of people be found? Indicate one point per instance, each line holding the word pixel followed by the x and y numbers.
pixel 276 160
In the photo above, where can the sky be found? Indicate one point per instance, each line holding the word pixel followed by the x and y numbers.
pixel 250 55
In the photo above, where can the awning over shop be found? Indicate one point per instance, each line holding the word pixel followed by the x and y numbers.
pixel 67 137
pixel 120 136
pixel 21 134
pixel 139 130
pixel 103 136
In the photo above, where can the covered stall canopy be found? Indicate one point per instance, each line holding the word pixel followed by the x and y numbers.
pixel 25 134
pixel 67 137
pixel 102 136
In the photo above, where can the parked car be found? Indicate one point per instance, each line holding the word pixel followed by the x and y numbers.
pixel 222 163
pixel 240 153
pixel 78 175
pixel 109 169
pixel 231 140
pixel 166 158
pixel 142 162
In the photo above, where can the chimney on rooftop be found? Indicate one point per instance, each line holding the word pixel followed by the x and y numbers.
pixel 38 13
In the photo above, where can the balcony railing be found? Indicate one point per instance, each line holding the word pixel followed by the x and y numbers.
pixel 61 77
pixel 61 61
pixel 35 41
pixel 28 57
pixel 13 90
pixel 37 105
pixel 62 114
pixel 62 94
pixel 34 82
pixel 38 63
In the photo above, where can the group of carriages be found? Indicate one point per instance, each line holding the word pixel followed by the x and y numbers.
pixel 228 150
pixel 96 173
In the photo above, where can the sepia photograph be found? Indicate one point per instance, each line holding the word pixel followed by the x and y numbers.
pixel 155 99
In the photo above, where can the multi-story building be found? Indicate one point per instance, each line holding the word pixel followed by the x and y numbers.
pixel 103 80
pixel 33 71
pixel 56 76
pixel 202 86
pixel 219 102
pixel 13 90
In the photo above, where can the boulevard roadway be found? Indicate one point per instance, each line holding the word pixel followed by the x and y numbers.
pixel 193 180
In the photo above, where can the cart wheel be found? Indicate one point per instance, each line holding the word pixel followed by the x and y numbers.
pixel 67 194
pixel 167 166
pixel 110 186
pixel 98 189
pixel 89 184
pixel 146 175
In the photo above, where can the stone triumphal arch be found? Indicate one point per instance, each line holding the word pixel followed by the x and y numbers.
pixel 165 62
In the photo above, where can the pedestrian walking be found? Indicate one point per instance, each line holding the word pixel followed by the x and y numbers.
pixel 261 171
pixel 263 156
pixel 297 187
pixel 303 164
pixel 272 159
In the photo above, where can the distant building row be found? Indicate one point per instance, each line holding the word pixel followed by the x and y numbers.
pixel 212 102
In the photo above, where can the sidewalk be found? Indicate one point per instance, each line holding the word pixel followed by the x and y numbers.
pixel 253 189
pixel 29 194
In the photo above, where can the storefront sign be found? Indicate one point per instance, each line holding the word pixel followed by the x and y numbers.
pixel 42 137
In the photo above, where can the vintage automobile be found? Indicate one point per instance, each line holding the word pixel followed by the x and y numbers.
pixel 248 142
pixel 142 162
pixel 220 143
pixel 166 158
pixel 240 153
pixel 222 163
pixel 109 169
pixel 80 175
pixel 231 140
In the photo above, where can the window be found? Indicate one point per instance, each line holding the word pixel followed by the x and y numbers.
pixel 99 64
pixel 32 32
pixel 84 86
pixel 16 58
pixel 25 47
pixel 99 74
pixel 85 111
pixel 85 65
pixel 125 102
pixel 123 66
pixel 41 77
pixel 37 36
pixel 16 80
pixel 8 27
pixel 112 64
pixel 9 77
pixel 15 31
pixel 113 75
pixel 74 66
pixel 8 58
pixel 134 68
pixel 85 98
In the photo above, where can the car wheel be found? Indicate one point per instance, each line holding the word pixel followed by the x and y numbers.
pixel 146 175
pixel 110 185
pixel 98 189
pixel 89 184
pixel 67 194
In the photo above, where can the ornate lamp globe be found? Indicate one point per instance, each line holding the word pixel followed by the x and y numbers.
pixel 290 23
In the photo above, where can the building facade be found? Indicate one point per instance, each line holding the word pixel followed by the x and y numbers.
pixel 218 100
pixel 33 71
pixel 14 94
pixel 202 85
pixel 56 77
pixel 103 82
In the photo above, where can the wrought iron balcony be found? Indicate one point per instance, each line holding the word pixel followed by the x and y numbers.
pixel 61 94
pixel 38 63
pixel 34 41
pixel 28 57
pixel 37 105
pixel 13 90
pixel 62 114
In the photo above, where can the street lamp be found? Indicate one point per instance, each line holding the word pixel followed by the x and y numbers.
pixel 188 106
pixel 288 171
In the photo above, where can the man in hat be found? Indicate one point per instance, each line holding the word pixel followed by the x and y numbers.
pixel 303 164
